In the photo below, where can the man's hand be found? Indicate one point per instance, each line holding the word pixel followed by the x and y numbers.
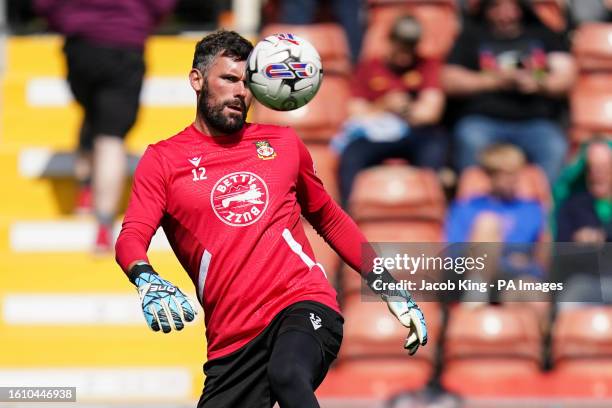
pixel 164 306
pixel 409 314
pixel 402 305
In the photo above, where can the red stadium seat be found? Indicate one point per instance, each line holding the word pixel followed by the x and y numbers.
pixel 487 344
pixel 394 231
pixel 591 106
pixel 372 361
pixel 582 341
pixel 438 18
pixel 552 13
pixel 326 166
pixel 317 121
pixel 324 254
pixel 328 38
pixel 592 47
pixel 397 192
pixel 533 184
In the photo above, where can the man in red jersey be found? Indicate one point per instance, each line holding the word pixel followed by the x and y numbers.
pixel 229 196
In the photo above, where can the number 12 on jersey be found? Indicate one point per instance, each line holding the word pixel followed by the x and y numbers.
pixel 199 174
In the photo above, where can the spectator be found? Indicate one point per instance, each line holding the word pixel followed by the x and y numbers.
pixel 348 13
pixel 511 73
pixel 583 197
pixel 395 106
pixel 104 52
pixel 499 216
pixel 586 215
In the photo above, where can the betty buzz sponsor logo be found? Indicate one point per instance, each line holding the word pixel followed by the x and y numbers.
pixel 239 199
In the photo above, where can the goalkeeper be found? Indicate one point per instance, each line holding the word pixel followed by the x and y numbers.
pixel 229 196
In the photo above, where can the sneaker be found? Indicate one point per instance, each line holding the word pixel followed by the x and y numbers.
pixel 84 201
pixel 104 239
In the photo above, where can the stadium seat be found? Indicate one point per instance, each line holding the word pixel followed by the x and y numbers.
pixel 533 184
pixel 326 166
pixel 399 231
pixel 317 121
pixel 486 344
pixel 438 18
pixel 324 254
pixel 328 38
pixel 582 341
pixel 591 106
pixel 372 361
pixel 552 13
pixel 397 192
pixel 592 47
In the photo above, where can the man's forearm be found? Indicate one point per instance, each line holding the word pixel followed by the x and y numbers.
pixel 132 244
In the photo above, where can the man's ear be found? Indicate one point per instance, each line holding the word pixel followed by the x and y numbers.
pixel 196 79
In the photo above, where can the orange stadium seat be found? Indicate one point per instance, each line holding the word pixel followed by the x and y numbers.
pixel 328 38
pixel 533 184
pixel 591 106
pixel 488 345
pixel 438 17
pixel 397 192
pixel 582 342
pixel 552 13
pixel 400 231
pixel 326 166
pixel 372 361
pixel 592 47
pixel 324 254
pixel 317 121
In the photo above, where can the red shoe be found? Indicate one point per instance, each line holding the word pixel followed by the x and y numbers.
pixel 104 239
pixel 84 201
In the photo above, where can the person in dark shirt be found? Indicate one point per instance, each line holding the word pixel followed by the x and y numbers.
pixel 104 51
pixel 396 103
pixel 586 216
pixel 509 73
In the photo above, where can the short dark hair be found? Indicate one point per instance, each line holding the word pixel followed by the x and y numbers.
pixel 220 43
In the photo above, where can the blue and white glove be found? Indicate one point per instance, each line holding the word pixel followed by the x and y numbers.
pixel 406 310
pixel 164 306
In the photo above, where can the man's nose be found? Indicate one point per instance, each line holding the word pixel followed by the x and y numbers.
pixel 240 89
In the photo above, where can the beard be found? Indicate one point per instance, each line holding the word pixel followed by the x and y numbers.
pixel 214 116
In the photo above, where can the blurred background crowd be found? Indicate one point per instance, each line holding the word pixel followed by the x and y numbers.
pixel 438 121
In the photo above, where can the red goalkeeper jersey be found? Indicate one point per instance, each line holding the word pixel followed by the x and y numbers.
pixel 230 207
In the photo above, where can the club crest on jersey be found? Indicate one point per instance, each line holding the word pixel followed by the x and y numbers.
pixel 264 150
pixel 239 199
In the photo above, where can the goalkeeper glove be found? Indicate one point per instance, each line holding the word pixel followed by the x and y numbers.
pixel 402 305
pixel 164 306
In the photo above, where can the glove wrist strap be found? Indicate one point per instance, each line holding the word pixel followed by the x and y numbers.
pixel 386 279
pixel 139 269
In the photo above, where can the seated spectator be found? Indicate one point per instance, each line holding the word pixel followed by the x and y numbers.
pixel 499 216
pixel 583 198
pixel 510 74
pixel 586 215
pixel 395 105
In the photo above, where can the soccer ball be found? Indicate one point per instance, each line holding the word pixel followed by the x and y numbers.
pixel 284 72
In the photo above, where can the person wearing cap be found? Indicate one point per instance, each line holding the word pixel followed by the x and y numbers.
pixel 396 104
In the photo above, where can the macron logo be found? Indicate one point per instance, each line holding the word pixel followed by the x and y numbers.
pixel 316 321
pixel 195 161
